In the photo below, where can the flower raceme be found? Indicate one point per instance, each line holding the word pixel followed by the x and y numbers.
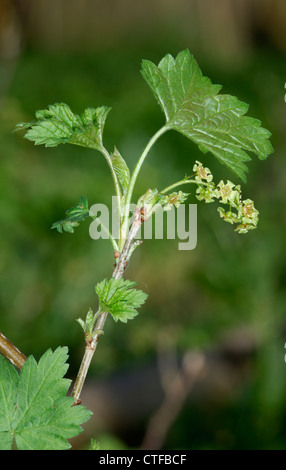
pixel 243 213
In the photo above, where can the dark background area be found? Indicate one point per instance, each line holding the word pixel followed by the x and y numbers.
pixel 216 313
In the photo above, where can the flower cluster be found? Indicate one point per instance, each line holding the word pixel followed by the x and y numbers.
pixel 242 213
pixel 174 199
pixel 152 200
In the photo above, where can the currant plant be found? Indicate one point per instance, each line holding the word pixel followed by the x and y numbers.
pixel 34 411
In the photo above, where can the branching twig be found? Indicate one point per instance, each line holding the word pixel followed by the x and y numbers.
pixel 9 350
pixel 98 330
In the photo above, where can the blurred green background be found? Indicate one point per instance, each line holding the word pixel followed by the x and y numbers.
pixel 225 300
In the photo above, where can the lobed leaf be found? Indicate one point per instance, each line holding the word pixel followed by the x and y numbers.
pixel 194 107
pixel 34 409
pixel 119 298
pixel 74 215
pixel 59 125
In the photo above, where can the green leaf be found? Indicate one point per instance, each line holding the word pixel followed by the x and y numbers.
pixel 59 125
pixel 119 298
pixel 194 107
pixel 121 169
pixel 34 409
pixel 88 324
pixel 74 216
pixel 8 397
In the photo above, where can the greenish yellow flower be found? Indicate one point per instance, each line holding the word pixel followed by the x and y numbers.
pixel 202 173
pixel 244 228
pixel 206 193
pixel 229 193
pixel 228 216
pixel 175 199
pixel 248 213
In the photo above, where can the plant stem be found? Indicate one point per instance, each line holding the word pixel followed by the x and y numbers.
pixel 179 183
pixel 8 350
pixel 133 180
pixel 125 241
pixel 98 330
pixel 108 158
pixel 111 238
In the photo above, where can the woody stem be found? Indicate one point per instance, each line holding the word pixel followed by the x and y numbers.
pixel 98 330
pixel 9 350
